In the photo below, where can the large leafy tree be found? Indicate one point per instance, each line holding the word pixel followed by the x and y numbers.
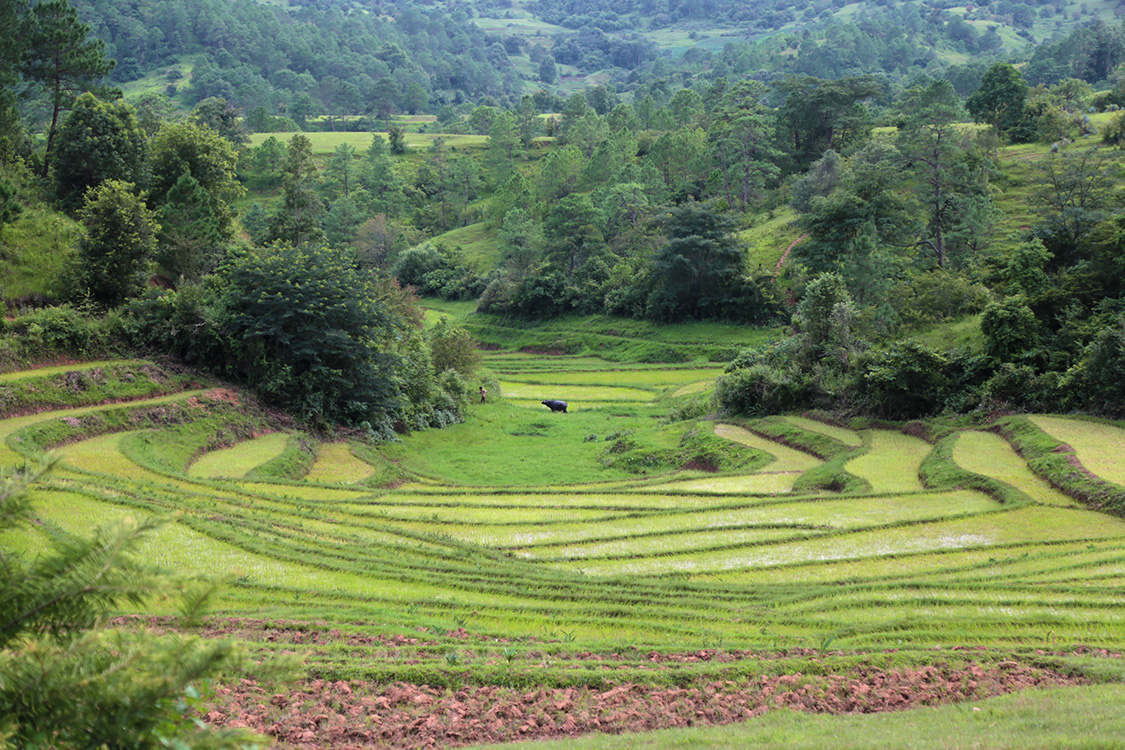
pixel 1000 99
pixel 60 57
pixel 98 141
pixel 1076 191
pixel 71 682
pixel 943 162
pixel 311 331
pixel 700 270
pixel 819 115
pixel 206 156
pixel 868 199
pixel 120 242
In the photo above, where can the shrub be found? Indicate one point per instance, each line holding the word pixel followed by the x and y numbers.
pixel 761 389
pixel 904 382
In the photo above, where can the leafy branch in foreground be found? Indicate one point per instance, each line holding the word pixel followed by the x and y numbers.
pixel 67 680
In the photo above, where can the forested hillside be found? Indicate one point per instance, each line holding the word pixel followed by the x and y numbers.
pixel 864 218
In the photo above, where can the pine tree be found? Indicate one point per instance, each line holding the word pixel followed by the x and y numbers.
pixel 70 681
pixel 297 222
pixel 61 58
pixel 190 240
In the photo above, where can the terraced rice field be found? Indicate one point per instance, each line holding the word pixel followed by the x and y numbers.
pixel 1099 446
pixel 520 531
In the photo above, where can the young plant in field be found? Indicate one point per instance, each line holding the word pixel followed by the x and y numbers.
pixel 70 681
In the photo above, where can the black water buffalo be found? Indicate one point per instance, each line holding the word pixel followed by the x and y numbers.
pixel 555 405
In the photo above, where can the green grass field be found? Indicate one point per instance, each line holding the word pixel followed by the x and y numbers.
pixel 605 531
pixel 325 142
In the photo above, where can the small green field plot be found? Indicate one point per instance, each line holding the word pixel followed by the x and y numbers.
pixel 989 454
pixel 241 458
pixel 324 143
pixel 1099 446
pixel 457 312
pixel 891 464
pixel 477 242
pixel 761 483
pixel 700 386
pixel 850 438
pixel 510 445
pixel 653 378
pixel 46 372
pixel 786 458
pixel 335 463
pixel 574 395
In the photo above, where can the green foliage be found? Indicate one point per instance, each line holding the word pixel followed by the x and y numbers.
pixel 906 381
pixel 98 141
pixel 819 115
pixel 1099 377
pixel 206 156
pixel 1000 99
pixel 762 389
pixel 60 57
pixel 182 323
pixel 938 296
pixel 222 117
pixel 868 198
pixel 297 221
pixel 949 180
pixel 120 243
pixel 1010 329
pixel 59 331
pixel 72 682
pixel 453 348
pixel 190 240
pixel 10 207
pixel 310 331
pixel 1075 193
pixel 701 272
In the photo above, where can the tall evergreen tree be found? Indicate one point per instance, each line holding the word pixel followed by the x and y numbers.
pixel 190 240
pixel 940 157
pixel 206 156
pixel 297 221
pixel 60 57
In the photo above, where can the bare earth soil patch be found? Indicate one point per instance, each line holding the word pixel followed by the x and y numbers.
pixel 358 714
pixel 353 715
